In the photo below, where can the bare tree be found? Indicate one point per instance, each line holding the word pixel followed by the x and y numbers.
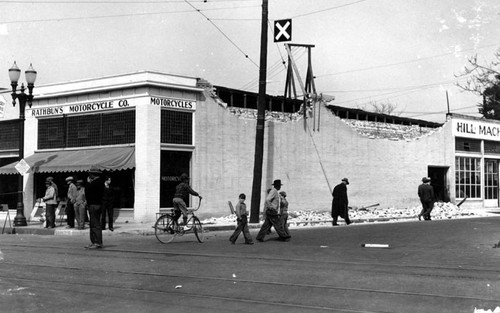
pixel 484 80
pixel 381 107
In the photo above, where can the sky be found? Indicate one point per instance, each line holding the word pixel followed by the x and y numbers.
pixel 404 52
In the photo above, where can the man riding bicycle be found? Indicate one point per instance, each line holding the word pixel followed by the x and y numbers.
pixel 181 196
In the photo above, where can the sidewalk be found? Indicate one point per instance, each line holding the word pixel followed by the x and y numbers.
pixel 221 224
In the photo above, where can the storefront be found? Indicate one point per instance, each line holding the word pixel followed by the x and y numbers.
pixel 477 160
pixel 135 128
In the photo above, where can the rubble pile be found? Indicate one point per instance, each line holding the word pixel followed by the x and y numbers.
pixel 442 210
pixel 387 130
pixel 251 114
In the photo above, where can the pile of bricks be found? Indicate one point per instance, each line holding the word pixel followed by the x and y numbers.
pixel 442 210
pixel 387 130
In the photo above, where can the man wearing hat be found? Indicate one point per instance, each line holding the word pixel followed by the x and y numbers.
pixel 50 200
pixel 340 203
pixel 80 204
pixel 426 195
pixel 94 192
pixel 70 205
pixel 272 207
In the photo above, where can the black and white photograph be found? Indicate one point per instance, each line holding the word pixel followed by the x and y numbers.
pixel 250 156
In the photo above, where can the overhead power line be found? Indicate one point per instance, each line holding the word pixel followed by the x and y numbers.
pixel 224 34
pixel 296 16
pixel 404 62
pixel 120 15
pixel 114 2
pixel 328 9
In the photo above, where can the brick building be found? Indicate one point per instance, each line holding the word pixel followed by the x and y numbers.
pixel 144 129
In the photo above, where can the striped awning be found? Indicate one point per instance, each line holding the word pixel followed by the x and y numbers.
pixel 104 159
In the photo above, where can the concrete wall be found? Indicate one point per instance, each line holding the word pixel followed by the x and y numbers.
pixel 380 170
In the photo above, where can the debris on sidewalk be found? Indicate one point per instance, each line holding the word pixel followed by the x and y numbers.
pixel 367 214
pixel 497 310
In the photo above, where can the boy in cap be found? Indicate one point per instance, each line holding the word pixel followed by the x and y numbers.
pixel 181 197
pixel 242 220
pixel 284 211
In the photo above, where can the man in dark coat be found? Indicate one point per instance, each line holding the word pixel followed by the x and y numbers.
pixel 94 192
pixel 340 202
pixel 426 195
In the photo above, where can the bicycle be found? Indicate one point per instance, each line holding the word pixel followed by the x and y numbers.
pixel 167 227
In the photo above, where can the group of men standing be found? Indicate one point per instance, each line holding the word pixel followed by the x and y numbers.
pixel 95 197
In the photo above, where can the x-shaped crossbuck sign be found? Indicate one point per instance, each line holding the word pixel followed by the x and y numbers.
pixel 284 28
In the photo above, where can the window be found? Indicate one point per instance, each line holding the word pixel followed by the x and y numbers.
pixel 468 145
pixel 9 135
pixel 51 133
pixel 176 127
pixel 491 179
pixel 468 177
pixel 491 147
pixel 87 130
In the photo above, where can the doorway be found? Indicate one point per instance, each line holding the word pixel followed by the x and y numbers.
pixel 490 183
pixel 438 176
pixel 173 164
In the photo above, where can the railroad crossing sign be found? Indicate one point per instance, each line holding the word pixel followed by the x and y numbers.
pixel 282 30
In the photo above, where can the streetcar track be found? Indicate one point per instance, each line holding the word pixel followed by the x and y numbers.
pixel 202 296
pixel 268 258
pixel 248 281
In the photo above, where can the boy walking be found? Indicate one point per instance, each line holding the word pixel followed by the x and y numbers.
pixel 242 219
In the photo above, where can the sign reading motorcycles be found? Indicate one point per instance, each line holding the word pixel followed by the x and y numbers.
pixel 110 105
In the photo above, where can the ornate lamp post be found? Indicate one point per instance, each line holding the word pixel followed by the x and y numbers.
pixel 14 74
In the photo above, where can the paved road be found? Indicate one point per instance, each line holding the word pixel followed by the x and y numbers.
pixel 438 266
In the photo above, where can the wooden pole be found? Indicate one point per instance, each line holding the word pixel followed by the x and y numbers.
pixel 261 111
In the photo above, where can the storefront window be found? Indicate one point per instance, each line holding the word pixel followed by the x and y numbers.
pixel 87 130
pixel 467 145
pixel 176 127
pixel 468 177
pixel 491 179
pixel 9 135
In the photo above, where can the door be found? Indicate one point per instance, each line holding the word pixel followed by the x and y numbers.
pixel 491 183
pixel 438 176
pixel 173 164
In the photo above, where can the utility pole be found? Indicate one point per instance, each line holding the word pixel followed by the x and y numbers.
pixel 261 119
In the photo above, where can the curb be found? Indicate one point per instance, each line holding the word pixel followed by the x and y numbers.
pixel 147 230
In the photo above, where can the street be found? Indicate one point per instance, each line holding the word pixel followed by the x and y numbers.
pixel 437 266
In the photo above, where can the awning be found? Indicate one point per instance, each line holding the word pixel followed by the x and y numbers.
pixel 104 159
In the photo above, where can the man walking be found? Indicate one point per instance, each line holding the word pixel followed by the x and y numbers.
pixel 340 203
pixel 93 193
pixel 272 214
pixel 426 195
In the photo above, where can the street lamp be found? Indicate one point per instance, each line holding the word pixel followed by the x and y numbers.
pixel 14 74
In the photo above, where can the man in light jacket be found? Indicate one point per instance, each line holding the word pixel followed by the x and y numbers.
pixel 50 200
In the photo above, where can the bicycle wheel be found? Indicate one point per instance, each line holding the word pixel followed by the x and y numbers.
pixel 198 229
pixel 165 229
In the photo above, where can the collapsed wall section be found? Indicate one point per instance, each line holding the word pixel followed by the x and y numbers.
pixel 382 169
